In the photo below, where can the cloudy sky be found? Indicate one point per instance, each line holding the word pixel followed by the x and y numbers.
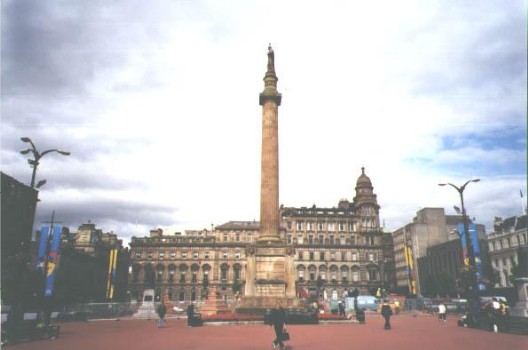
pixel 157 101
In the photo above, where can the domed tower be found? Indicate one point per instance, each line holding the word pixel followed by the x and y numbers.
pixel 366 204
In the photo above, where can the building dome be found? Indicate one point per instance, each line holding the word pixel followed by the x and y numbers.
pixel 363 180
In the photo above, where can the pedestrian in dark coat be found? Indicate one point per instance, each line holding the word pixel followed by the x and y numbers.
pixel 386 312
pixel 162 310
pixel 278 320
pixel 190 315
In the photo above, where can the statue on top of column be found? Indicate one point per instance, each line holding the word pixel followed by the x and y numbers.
pixel 271 59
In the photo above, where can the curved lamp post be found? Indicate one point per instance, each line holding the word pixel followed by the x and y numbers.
pixel 467 235
pixel 36 159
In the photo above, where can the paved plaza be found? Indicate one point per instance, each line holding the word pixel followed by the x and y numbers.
pixel 409 333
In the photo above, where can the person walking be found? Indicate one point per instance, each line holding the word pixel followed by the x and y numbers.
pixel 442 312
pixel 341 307
pixel 386 312
pixel 190 315
pixel 162 310
pixel 278 321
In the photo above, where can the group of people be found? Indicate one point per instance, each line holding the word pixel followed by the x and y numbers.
pixel 162 311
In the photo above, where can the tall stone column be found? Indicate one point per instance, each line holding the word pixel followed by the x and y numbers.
pixel 270 100
pixel 270 269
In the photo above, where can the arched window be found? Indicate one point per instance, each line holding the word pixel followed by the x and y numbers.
pixel 159 273
pixel 149 275
pixel 172 272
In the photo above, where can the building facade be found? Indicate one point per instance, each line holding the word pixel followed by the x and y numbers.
pixel 336 250
pixel 430 228
pixel 503 244
pixel 19 202
pixel 93 266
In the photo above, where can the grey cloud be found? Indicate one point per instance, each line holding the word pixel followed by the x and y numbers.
pixel 104 212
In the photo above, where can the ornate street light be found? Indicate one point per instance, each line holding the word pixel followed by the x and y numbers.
pixel 36 159
pixel 469 245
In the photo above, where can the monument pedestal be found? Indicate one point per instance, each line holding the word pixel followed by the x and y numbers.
pixel 213 305
pixel 146 309
pixel 270 278
pixel 521 307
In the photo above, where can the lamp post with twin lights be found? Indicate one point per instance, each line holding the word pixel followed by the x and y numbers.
pixel 36 159
pixel 469 246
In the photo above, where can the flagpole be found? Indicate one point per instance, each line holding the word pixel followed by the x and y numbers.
pixel 522 203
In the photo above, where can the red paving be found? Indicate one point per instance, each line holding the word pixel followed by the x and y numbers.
pixel 408 333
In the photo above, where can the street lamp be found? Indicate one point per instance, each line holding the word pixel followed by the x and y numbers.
pixel 36 158
pixel 469 245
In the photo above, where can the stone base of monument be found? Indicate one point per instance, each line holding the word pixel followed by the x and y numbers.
pixel 259 305
pixel 214 305
pixel 270 278
pixel 520 309
pixel 146 310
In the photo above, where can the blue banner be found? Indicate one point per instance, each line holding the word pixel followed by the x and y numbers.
pixel 41 254
pixel 476 251
pixel 53 260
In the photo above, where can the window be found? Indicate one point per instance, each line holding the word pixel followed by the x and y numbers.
pixel 237 237
pixel 354 256
pixel 310 239
pixel 332 256
pixel 289 225
pixel 352 239
pixel 182 275
pixel 138 255
pixel 312 256
pixel 332 239
pixel 161 255
pixel 320 226
pixel 223 274
pixel 182 296
pixel 206 255
pixel 172 255
pixel 355 275
pixel 373 276
pixel 343 256
pixel 225 237
pixel 224 255
pixel 184 255
pixel 298 225
pixel 289 239
pixel 149 255
pixel 301 274
pixel 237 255
pixel 321 256
pixel 321 239
pixel 300 238
pixel 342 239
pixel 171 274
pixel 300 257
pixel 341 226
pixel 250 237
pixel 195 255
pixel 331 226
pixel 309 226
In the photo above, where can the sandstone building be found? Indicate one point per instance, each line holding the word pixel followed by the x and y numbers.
pixel 335 250
pixel 503 246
